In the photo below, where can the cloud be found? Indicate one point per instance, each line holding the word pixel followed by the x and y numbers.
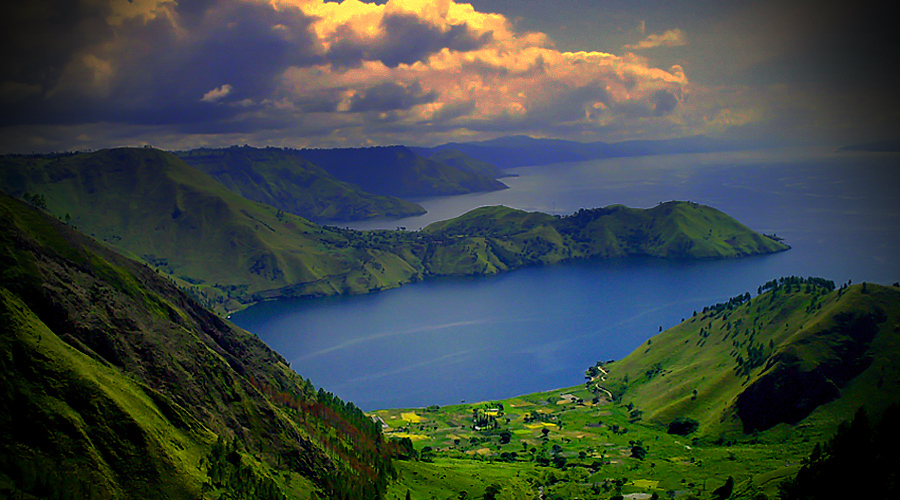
pixel 309 72
pixel 390 96
pixel 670 38
pixel 217 93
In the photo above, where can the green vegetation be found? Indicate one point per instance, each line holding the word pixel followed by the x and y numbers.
pixel 493 239
pixel 859 461
pixel 115 384
pixel 398 171
pixel 285 180
pixel 666 420
pixel 460 160
pixel 230 252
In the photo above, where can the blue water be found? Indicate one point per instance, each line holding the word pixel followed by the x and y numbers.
pixel 474 339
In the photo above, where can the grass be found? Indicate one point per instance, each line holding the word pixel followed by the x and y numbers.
pixel 588 449
pixel 118 409
pixel 283 179
pixel 114 384
pixel 231 252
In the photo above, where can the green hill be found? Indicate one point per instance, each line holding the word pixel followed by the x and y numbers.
pixel 150 205
pixel 728 404
pixel 493 239
pixel 115 384
pixel 230 251
pixel 398 171
pixel 800 352
pixel 283 179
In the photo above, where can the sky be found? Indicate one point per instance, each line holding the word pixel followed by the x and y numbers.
pixel 180 74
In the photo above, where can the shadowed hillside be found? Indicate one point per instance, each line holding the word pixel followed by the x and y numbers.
pixel 283 179
pixel 398 171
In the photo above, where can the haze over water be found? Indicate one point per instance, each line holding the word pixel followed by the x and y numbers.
pixel 473 339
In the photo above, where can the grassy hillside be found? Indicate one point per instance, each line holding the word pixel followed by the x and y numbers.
pixel 115 384
pixel 231 252
pixel 151 205
pixel 493 239
pixel 398 171
pixel 465 162
pixel 283 179
pixel 799 352
pixel 615 434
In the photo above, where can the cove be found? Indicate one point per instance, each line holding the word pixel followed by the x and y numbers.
pixel 447 340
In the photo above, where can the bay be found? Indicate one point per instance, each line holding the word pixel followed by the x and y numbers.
pixel 448 340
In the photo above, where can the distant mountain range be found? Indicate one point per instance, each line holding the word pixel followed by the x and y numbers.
pixel 519 151
pixel 342 184
pixel 885 146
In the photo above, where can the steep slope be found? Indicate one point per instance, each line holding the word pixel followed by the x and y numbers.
pixel 398 171
pixel 462 161
pixel 800 352
pixel 151 205
pixel 115 384
pixel 283 179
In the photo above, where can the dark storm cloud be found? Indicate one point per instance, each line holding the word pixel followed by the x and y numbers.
pixel 664 102
pixel 390 97
pixel 39 36
pixel 184 71
pixel 406 40
pixel 156 71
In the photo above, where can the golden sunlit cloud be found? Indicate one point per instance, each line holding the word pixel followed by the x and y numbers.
pixel 413 70
pixel 485 76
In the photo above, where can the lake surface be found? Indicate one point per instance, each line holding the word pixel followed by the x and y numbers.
pixel 474 339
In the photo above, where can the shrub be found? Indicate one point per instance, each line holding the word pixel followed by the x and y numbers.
pixel 683 426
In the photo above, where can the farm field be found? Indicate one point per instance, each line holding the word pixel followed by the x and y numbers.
pixel 565 443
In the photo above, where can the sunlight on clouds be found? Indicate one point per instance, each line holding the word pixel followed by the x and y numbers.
pixel 348 71
pixel 216 94
pixel 120 10
pixel 509 78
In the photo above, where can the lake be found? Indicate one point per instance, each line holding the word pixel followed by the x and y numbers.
pixel 473 339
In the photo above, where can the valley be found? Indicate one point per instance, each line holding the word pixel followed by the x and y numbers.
pixel 618 435
pixel 120 382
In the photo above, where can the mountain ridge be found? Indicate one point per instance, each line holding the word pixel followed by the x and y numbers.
pixel 231 252
pixel 285 180
pixel 520 151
